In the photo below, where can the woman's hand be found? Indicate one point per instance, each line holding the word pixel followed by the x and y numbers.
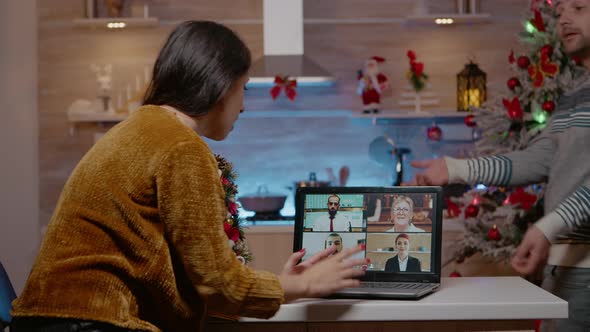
pixel 434 173
pixel 322 274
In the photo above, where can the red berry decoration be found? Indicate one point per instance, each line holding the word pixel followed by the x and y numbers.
pixel 523 62
pixel 549 106
pixel 434 133
pixel 455 274
pixel 494 234
pixel 470 121
pixel 513 83
pixel 471 211
pixel 547 50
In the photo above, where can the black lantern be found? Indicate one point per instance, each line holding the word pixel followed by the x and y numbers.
pixel 471 87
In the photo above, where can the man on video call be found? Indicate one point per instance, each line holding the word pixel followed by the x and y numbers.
pixel 332 222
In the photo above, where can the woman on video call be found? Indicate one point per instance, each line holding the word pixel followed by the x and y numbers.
pixel 403 262
pixel 402 211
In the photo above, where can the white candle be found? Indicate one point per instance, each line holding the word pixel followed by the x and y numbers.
pixel 473 6
pixel 128 92
pixel 145 11
pixel 119 101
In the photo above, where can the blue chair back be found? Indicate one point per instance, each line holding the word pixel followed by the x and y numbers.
pixel 7 295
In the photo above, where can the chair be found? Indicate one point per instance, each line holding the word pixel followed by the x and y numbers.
pixel 7 295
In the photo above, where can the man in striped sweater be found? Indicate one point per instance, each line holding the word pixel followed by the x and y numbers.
pixel 561 155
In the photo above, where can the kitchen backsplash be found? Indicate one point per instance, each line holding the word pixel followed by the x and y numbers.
pixel 278 151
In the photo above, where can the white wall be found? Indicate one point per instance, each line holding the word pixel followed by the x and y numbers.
pixel 19 175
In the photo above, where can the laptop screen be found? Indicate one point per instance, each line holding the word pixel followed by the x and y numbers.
pixel 400 226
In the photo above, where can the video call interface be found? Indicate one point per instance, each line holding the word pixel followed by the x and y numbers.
pixel 396 228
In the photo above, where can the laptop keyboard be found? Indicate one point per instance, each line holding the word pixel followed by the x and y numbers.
pixel 395 285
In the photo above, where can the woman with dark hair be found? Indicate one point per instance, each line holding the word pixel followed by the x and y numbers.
pixel 403 262
pixel 136 241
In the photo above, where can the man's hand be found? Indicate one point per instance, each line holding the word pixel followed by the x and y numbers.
pixel 532 253
pixel 435 173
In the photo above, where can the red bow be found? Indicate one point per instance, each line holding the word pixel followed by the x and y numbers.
pixel 284 83
pixel 545 67
pixel 519 196
pixel 513 108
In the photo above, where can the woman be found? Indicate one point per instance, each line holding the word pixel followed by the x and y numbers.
pixel 136 241
pixel 402 262
pixel 402 210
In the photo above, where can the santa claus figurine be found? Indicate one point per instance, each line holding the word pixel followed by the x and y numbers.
pixel 371 84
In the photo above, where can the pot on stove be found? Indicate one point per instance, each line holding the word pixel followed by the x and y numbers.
pixel 263 201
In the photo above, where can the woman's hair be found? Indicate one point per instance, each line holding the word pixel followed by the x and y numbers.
pixel 400 199
pixel 197 66
pixel 402 235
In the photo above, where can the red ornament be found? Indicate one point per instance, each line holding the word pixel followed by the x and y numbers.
pixel 513 83
pixel 455 274
pixel 470 121
pixel 549 106
pixel 283 82
pixel 513 108
pixel 494 234
pixel 471 211
pixel 434 133
pixel 547 50
pixel 523 62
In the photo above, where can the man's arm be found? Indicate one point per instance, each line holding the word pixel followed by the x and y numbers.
pixel 571 214
pixel 515 168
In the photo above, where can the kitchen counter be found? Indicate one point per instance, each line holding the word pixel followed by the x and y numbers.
pixel 462 304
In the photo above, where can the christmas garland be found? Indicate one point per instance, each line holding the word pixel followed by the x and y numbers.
pixel 232 224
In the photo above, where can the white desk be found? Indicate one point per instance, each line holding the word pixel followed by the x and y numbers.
pixel 462 304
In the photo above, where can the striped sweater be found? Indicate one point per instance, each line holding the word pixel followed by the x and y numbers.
pixel 560 155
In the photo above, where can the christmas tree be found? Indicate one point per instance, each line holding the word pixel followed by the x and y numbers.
pixel 495 219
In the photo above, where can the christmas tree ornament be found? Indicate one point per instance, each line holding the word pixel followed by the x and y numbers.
pixel 284 83
pixel 521 197
pixel 470 121
pixel 523 62
pixel 537 21
pixel 547 50
pixel 494 234
pixel 471 211
pixel 371 84
pixel 513 108
pixel 455 274
pixel 549 106
pixel 513 83
pixel 434 133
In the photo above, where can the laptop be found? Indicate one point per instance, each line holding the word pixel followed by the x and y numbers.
pixel 401 228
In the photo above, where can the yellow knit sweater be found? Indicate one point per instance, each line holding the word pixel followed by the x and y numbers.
pixel 137 238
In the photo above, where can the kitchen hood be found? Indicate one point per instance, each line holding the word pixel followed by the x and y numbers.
pixel 283 48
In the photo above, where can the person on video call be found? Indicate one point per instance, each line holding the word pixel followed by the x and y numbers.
pixel 402 262
pixel 334 239
pixel 402 211
pixel 333 222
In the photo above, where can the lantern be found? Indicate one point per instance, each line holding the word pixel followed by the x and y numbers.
pixel 471 87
